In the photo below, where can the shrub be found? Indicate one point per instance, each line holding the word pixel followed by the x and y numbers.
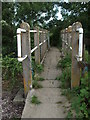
pixel 11 70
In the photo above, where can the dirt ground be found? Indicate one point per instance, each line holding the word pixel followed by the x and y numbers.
pixel 10 109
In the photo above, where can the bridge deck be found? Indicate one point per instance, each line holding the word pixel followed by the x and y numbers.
pixel 53 104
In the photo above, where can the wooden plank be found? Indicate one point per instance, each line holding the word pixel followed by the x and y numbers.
pixel 26 50
pixel 75 69
pixel 69 38
pixel 36 43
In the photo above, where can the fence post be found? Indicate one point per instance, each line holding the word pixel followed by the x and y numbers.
pixel 46 41
pixel 70 38
pixel 75 69
pixel 41 39
pixel 26 50
pixel 48 37
pixel 66 47
pixel 64 40
pixel 36 43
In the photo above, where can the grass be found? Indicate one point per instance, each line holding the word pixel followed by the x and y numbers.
pixel 36 85
pixel 38 68
pixel 38 78
pixel 64 62
pixel 57 78
pixel 41 79
pixel 35 100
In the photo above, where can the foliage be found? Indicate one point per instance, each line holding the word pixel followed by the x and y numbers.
pixel 86 55
pixel 36 85
pixel 70 115
pixel 11 70
pixel 65 62
pixel 38 68
pixel 65 78
pixel 79 96
pixel 35 100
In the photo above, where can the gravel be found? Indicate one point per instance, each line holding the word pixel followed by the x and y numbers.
pixel 10 109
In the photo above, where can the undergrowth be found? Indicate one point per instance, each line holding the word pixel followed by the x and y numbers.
pixel 36 85
pixel 78 96
pixel 38 68
pixel 11 71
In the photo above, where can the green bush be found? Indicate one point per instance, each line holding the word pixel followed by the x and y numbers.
pixel 78 96
pixel 11 70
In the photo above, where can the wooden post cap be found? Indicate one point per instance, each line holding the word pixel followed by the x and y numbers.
pixel 69 28
pixel 25 26
pixel 76 25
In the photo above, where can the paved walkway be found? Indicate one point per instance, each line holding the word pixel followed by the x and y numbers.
pixel 53 104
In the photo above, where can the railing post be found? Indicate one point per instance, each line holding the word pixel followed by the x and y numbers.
pixel 66 47
pixel 48 37
pixel 75 69
pixel 26 50
pixel 41 39
pixel 36 43
pixel 70 38
pixel 64 41
pixel 46 43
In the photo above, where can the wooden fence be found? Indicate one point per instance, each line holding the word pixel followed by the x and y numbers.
pixel 72 41
pixel 41 45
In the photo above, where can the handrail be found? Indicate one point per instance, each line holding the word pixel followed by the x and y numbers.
pixel 36 47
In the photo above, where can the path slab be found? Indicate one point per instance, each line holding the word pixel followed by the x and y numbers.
pixel 50 83
pixel 53 104
pixel 44 111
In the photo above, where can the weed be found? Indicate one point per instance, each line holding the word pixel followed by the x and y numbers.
pixel 36 85
pixel 35 100
pixel 38 68
pixel 70 115
pixel 38 78
pixel 41 79
pixel 57 78
pixel 65 78
pixel 65 62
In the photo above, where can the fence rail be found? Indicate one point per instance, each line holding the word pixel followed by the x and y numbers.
pixel 72 41
pixel 41 45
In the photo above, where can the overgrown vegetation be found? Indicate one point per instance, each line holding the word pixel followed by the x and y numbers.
pixel 65 62
pixel 65 78
pixel 35 100
pixel 38 68
pixel 11 71
pixel 79 96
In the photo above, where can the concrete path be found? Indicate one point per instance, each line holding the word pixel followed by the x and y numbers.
pixel 53 104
